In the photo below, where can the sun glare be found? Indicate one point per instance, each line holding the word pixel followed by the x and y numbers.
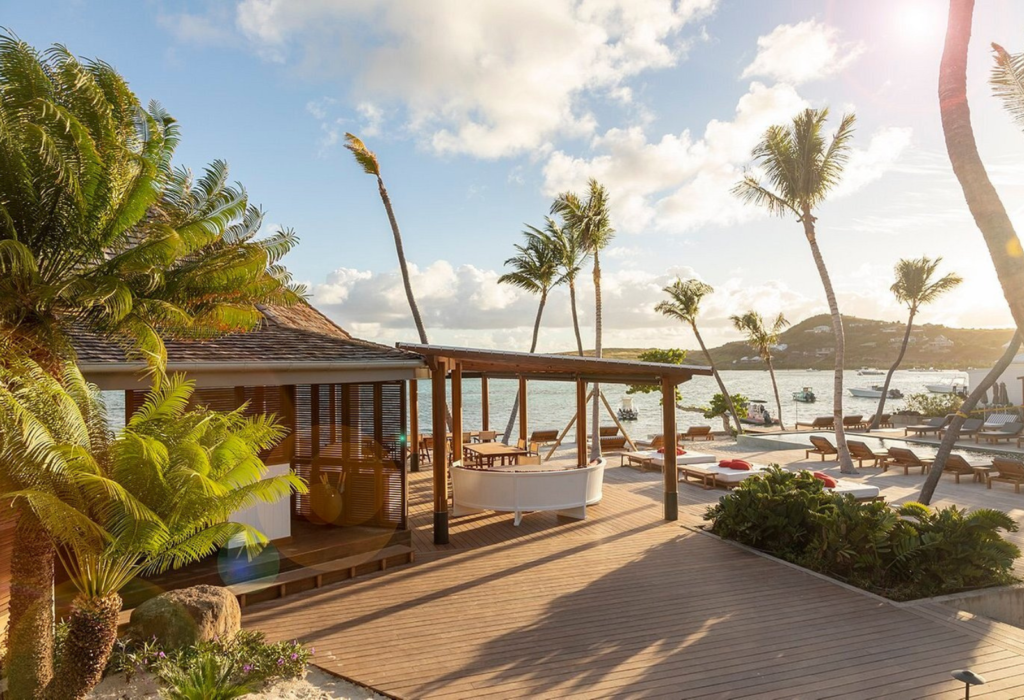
pixel 919 21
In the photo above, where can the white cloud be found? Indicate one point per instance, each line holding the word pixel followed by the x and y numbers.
pixel 486 78
pixel 210 29
pixel 867 165
pixel 798 53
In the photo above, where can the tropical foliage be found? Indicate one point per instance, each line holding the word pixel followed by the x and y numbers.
pixel 933 405
pixel 722 406
pixel 567 243
pixel 667 356
pixel 800 168
pixel 903 552
pixel 763 337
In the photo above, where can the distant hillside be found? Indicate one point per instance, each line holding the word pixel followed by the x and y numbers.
pixel 868 344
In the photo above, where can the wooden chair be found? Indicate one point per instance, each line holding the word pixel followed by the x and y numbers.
pixel 608 431
pixel 697 432
pixel 957 466
pixel 488 435
pixel 932 425
pixel 544 437
pixel 822 447
pixel 1009 470
pixel 819 423
pixel 855 422
pixel 970 427
pixel 885 421
pixel 532 448
pixel 862 453
pixel 426 445
pixel 1007 431
pixel 902 457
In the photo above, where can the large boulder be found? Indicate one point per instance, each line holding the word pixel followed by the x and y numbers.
pixel 186 616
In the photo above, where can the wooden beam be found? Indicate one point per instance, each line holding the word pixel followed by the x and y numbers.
pixel 440 463
pixel 485 405
pixel 668 399
pixel 581 422
pixel 615 418
pixel 414 426
pixel 566 429
pixel 457 412
pixel 523 434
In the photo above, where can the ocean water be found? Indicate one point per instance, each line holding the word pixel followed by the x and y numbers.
pixel 551 405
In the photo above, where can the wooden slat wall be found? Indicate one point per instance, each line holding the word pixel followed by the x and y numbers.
pixel 7 523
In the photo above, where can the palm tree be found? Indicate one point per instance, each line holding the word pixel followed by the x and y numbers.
pixel 368 160
pixel 684 305
pixel 535 270
pixel 99 233
pixel 158 496
pixel 801 169
pixel 571 254
pixel 762 339
pixel 914 287
pixel 589 218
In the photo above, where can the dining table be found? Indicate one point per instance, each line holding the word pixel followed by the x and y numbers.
pixel 488 452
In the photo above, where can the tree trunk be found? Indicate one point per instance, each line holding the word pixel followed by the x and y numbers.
pixel 533 348
pixel 982 199
pixel 595 415
pixel 953 429
pixel 892 371
pixel 845 463
pixel 775 388
pixel 721 384
pixel 30 626
pixel 575 316
pixel 92 632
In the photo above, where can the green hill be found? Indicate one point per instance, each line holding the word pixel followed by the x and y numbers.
pixel 868 344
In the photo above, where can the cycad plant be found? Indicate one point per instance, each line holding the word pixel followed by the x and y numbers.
pixel 535 270
pixel 683 305
pixel 914 287
pixel 589 218
pixel 156 496
pixel 762 337
pixel 801 166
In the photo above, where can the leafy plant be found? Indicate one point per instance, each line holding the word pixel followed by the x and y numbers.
pixel 933 405
pixel 903 553
pixel 209 678
pixel 667 356
pixel 719 407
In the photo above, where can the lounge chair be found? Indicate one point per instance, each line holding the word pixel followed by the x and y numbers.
pixel 862 453
pixel 855 422
pixel 822 447
pixel 697 432
pixel 1009 470
pixel 657 442
pixel 968 429
pixel 902 457
pixel 958 466
pixel 884 421
pixel 544 437
pixel 819 423
pixel 1006 431
pixel 932 425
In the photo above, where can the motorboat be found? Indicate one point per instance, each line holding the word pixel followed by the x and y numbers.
pixel 953 386
pixel 805 395
pixel 870 372
pixel 875 392
pixel 758 414
pixel 626 409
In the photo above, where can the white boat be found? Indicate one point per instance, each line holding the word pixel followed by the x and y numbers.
pixel 805 395
pixel 874 392
pixel 870 372
pixel 757 413
pixel 953 386
pixel 626 410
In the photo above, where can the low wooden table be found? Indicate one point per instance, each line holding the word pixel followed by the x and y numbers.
pixel 707 479
pixel 490 451
pixel 981 473
pixel 636 459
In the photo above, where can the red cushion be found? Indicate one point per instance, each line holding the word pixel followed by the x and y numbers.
pixel 679 451
pixel 828 480
pixel 740 465
pixel 725 463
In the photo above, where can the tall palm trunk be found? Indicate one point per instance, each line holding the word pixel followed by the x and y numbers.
pixel 533 348
pixel 845 463
pixel 953 429
pixel 575 316
pixel 595 414
pixel 718 378
pixel 892 371
pixel 30 626
pixel 982 199
pixel 775 388
pixel 92 631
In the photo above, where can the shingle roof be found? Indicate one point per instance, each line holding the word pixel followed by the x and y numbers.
pixel 287 334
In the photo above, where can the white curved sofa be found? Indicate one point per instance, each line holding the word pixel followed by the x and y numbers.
pixel 566 491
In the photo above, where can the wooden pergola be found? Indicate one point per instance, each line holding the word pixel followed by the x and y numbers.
pixel 463 363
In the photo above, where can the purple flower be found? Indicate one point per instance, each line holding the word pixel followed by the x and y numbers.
pixel 280 662
pixel 294 656
pixel 162 655
pixel 247 668
pixel 312 651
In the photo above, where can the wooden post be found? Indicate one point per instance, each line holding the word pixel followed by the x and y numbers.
pixel 565 431
pixel 523 434
pixel 485 408
pixel 457 412
pixel 414 426
pixel 581 422
pixel 668 399
pixel 440 463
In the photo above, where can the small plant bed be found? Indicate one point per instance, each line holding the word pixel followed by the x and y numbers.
pixel 902 553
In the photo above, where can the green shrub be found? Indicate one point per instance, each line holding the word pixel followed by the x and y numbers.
pixel 903 553
pixel 209 677
pixel 933 405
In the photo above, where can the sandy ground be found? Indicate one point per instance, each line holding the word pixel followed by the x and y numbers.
pixel 317 685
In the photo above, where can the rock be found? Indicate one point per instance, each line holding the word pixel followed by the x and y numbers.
pixel 186 616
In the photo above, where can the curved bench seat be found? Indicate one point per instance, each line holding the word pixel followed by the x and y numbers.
pixel 568 491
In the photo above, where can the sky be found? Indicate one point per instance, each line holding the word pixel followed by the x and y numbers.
pixel 482 112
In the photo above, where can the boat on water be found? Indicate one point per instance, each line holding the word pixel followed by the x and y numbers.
pixel 626 409
pixel 922 370
pixel 953 386
pixel 870 372
pixel 758 414
pixel 875 392
pixel 805 395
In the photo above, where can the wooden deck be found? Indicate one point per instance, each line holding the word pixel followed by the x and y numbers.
pixel 626 605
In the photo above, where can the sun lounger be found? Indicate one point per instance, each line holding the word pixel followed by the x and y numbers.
pixel 819 423
pixel 653 459
pixel 902 457
pixel 544 437
pixel 712 475
pixel 958 466
pixel 822 447
pixel 884 421
pixel 1006 431
pixel 932 425
pixel 697 432
pixel 657 442
pixel 968 429
pixel 862 453
pixel 859 491
pixel 854 422
pixel 1009 470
